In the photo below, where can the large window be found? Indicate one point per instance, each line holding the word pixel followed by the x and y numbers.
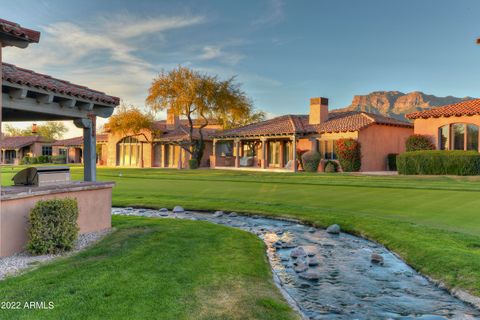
pixel 46 150
pixel 62 151
pixel 458 136
pixel 328 149
pixel 128 152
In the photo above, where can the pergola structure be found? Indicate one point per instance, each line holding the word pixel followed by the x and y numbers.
pixel 30 96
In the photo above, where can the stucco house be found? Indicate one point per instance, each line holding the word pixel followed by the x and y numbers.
pixel 451 127
pixel 72 149
pixel 159 147
pixel 272 144
pixel 13 149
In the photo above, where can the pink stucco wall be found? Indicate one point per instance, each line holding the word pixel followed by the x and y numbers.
pixel 94 214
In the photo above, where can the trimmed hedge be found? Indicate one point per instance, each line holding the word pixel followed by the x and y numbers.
pixel 417 142
pixel 193 164
pixel 439 162
pixel 310 161
pixel 44 159
pixel 349 154
pixel 53 226
pixel 392 161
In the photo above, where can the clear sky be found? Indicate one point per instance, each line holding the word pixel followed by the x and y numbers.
pixel 284 52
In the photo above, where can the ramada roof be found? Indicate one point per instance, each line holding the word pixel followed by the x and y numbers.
pixel 33 79
pixel 298 124
pixel 464 108
pixel 78 141
pixel 18 142
pixel 14 30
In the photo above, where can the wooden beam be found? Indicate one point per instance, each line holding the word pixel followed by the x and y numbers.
pixel 20 93
pixel 68 103
pixel 87 106
pixel 45 98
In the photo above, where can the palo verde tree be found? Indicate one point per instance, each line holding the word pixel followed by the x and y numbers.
pixel 194 95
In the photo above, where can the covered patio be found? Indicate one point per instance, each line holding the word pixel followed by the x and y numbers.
pixel 30 96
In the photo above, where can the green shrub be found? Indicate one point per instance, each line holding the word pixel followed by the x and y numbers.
pixel 53 226
pixel 439 162
pixel 34 160
pixel 417 142
pixel 193 164
pixel 330 167
pixel 42 159
pixel 349 154
pixel 26 160
pixel 310 161
pixel 392 161
pixel 58 159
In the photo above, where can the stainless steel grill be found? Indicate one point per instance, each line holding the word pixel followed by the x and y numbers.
pixel 42 176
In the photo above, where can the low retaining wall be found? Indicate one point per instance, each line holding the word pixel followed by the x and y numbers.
pixel 94 204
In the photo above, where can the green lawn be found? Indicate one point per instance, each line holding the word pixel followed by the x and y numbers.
pixel 432 222
pixel 155 269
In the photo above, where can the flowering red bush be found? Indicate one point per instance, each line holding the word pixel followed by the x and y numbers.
pixel 349 154
pixel 418 142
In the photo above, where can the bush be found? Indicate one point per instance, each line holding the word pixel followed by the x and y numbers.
pixel 439 162
pixel 53 226
pixel 330 167
pixel 193 164
pixel 417 142
pixel 34 160
pixel 26 160
pixel 392 161
pixel 310 161
pixel 58 159
pixel 349 154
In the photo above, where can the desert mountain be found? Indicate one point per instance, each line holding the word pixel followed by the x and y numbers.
pixel 396 104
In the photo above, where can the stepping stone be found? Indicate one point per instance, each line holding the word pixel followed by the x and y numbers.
pixel 178 209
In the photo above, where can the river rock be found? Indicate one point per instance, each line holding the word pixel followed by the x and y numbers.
pixel 233 214
pixel 164 213
pixel 313 262
pixel 218 214
pixel 310 275
pixel 163 210
pixel 312 230
pixel 298 252
pixel 300 267
pixel 178 209
pixel 376 258
pixel 334 229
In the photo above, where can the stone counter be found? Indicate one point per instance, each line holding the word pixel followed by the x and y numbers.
pixel 94 205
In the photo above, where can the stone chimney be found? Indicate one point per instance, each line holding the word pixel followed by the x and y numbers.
pixel 318 110
pixel 173 120
pixel 34 128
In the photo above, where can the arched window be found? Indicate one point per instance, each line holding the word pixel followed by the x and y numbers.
pixel 458 136
pixel 128 152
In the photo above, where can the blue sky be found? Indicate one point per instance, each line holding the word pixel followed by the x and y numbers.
pixel 284 52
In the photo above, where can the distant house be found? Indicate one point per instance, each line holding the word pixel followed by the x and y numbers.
pixel 72 149
pixel 451 127
pixel 13 149
pixel 160 147
pixel 272 144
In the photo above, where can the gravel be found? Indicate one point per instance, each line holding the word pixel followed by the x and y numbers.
pixel 15 264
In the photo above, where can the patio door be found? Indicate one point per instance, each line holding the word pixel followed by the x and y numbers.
pixel 274 154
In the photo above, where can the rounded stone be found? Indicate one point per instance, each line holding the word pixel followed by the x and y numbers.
pixel 376 258
pixel 334 229
pixel 178 209
pixel 298 252
pixel 163 210
pixel 218 214
pixel 310 275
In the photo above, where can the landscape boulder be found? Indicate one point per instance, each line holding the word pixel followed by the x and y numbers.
pixel 334 229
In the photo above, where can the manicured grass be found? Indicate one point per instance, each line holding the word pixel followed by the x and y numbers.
pixel 155 269
pixel 432 222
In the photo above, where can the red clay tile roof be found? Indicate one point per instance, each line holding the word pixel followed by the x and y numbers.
pixel 162 124
pixel 20 141
pixel 183 133
pixel 32 79
pixel 15 30
pixel 298 124
pixel 464 108
pixel 78 141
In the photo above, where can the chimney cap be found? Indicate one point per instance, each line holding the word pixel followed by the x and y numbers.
pixel 319 100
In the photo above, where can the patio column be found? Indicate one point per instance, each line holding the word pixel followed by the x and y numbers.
pixel 237 152
pixel 294 150
pixel 89 150
pixel 282 158
pixel 162 155
pixel 264 153
pixel 180 155
pixel 213 160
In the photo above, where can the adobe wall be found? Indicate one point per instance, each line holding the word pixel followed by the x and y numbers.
pixel 377 141
pixel 94 204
